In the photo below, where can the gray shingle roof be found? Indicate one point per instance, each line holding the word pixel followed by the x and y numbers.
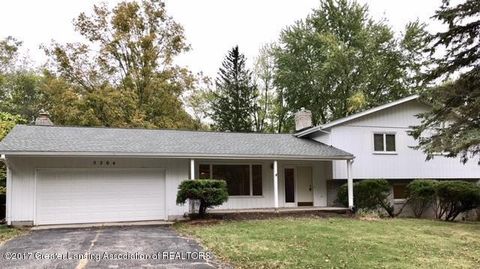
pixel 176 143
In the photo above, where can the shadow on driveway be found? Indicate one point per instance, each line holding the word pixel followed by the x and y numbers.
pixel 105 247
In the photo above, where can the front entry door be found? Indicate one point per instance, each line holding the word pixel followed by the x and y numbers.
pixel 290 187
pixel 304 186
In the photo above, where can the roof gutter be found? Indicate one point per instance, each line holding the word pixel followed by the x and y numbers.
pixel 310 131
pixel 178 156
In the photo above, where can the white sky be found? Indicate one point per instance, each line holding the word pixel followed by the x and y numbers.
pixel 212 26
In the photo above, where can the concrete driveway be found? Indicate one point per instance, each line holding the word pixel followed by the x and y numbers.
pixel 105 247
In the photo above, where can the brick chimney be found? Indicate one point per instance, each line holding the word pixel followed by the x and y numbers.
pixel 303 119
pixel 43 118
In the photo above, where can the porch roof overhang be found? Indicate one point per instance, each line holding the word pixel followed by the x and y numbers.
pixel 25 140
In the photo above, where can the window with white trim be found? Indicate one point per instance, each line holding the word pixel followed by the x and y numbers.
pixel 384 142
pixel 242 179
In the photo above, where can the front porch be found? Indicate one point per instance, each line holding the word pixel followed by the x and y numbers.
pixel 272 186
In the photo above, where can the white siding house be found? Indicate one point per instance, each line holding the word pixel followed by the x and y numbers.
pixel 357 137
pixel 383 149
pixel 63 175
pixel 59 175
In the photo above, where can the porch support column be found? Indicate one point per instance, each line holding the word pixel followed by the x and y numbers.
pixel 350 183
pixel 192 169
pixel 275 183
pixel 8 204
pixel 192 177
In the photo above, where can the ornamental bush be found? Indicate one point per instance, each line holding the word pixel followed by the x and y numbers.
pixel 208 192
pixel 455 197
pixel 369 194
pixel 421 194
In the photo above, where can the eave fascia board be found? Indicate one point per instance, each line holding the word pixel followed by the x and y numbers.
pixel 322 128
pixel 310 131
pixel 177 156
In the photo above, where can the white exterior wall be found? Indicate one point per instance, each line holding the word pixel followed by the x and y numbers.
pixel 22 188
pixel 356 137
pixel 321 172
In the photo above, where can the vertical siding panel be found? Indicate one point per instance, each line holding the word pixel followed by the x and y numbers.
pixel 356 137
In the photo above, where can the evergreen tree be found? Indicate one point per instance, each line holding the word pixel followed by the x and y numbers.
pixel 234 103
pixel 453 125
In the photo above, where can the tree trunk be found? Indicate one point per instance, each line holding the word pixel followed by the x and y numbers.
pixel 202 209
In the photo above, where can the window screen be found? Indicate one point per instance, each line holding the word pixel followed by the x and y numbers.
pixel 390 142
pixel 289 185
pixel 204 171
pixel 384 142
pixel 257 179
pixel 378 142
pixel 236 176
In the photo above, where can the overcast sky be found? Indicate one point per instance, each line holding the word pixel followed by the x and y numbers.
pixel 211 26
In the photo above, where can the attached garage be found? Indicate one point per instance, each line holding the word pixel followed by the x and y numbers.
pixel 73 175
pixel 64 196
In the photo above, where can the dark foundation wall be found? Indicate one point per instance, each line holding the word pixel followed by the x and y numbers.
pixel 397 186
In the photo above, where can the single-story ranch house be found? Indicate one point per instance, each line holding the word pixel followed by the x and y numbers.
pixel 62 175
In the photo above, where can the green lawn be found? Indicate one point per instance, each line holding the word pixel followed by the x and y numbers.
pixel 341 243
pixel 7 233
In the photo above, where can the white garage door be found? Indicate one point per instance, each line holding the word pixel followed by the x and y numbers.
pixel 99 195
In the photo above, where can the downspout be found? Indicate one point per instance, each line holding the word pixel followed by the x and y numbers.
pixel 8 199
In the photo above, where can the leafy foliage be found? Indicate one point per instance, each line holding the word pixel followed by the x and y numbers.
pixel 455 197
pixel 453 125
pixel 19 85
pixel 124 75
pixel 272 114
pixel 7 122
pixel 421 194
pixel 8 54
pixel 234 104
pixel 368 194
pixel 339 61
pixel 208 192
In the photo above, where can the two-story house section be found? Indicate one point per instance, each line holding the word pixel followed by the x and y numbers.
pixel 379 140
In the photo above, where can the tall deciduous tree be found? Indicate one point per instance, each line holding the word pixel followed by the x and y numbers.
pixel 8 53
pixel 19 84
pixel 234 103
pixel 199 100
pixel 128 59
pixel 453 125
pixel 339 61
pixel 7 122
pixel 271 112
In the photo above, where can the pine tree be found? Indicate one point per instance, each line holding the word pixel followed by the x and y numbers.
pixel 453 125
pixel 234 102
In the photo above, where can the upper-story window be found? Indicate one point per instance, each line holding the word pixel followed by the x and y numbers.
pixel 384 142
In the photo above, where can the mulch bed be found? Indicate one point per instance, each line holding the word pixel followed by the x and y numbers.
pixel 214 218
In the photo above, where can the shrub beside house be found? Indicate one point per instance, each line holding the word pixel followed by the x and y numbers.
pixel 448 199
pixel 208 192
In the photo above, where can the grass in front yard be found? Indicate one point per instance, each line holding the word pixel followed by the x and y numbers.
pixel 341 243
pixel 7 233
